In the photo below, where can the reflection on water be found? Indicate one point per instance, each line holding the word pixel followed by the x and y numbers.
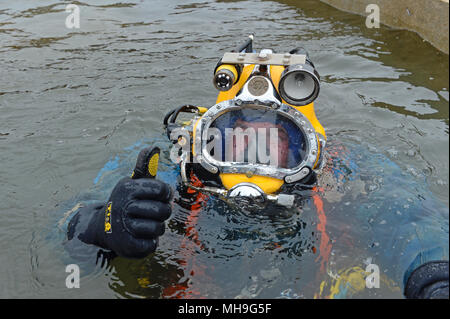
pixel 73 100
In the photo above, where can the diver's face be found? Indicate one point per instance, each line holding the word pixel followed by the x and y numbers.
pixel 278 147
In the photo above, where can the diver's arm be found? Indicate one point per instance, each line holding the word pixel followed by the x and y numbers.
pixel 130 223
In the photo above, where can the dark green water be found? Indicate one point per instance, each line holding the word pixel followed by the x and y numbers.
pixel 71 100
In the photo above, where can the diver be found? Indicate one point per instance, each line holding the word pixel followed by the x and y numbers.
pixel 259 143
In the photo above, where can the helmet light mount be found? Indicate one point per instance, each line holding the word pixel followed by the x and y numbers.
pixel 225 76
pixel 299 84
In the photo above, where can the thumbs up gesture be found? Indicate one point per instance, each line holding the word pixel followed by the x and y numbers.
pixel 132 219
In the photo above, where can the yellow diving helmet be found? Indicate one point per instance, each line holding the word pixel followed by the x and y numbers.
pixel 262 132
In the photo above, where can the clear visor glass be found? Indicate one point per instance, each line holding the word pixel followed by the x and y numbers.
pixel 257 136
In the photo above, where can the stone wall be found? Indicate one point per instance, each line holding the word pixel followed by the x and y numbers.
pixel 429 18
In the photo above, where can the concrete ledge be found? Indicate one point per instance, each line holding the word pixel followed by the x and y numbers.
pixel 429 18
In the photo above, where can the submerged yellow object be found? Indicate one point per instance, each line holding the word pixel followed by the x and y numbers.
pixel 269 185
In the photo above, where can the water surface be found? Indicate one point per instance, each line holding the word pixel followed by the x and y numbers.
pixel 72 101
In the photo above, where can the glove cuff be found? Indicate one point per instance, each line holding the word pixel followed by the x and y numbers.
pixel 88 225
pixel 430 280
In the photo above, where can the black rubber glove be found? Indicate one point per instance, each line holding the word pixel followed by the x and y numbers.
pixel 130 222
pixel 429 281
